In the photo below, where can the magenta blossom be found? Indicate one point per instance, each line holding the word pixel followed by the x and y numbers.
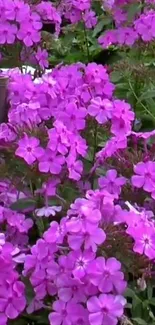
pixel 101 109
pixel 8 33
pixel 63 313
pixel 51 162
pixel 80 262
pixel 145 176
pixel 42 58
pixel 104 310
pixel 107 275
pixel 111 182
pixel 29 149
pixel 144 236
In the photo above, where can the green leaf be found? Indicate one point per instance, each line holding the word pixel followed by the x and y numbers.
pixel 139 321
pixel 23 204
pixel 99 27
pixel 147 95
pixel 115 76
pixel 29 292
pixel 133 9
pixel 149 291
pixel 152 301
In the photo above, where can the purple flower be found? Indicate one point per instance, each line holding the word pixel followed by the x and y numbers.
pixel 51 162
pixel 3 319
pixel 35 21
pixel 28 34
pixel 106 275
pixel 8 33
pixel 56 232
pixel 29 149
pixel 73 117
pixel 17 10
pixel 105 309
pixel 109 38
pixel 101 109
pixel 144 237
pixel 69 288
pixel 145 175
pixel 90 238
pixel 42 58
pixel 81 4
pixel 90 18
pixel 80 262
pixel 75 169
pixel 63 313
pixel 111 182
pixel 12 300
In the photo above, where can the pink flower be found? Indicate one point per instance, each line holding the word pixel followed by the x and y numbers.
pixel 63 313
pixel 111 182
pixel 107 275
pixel 90 18
pixel 8 33
pixel 28 34
pixel 29 149
pixel 101 109
pixel 51 162
pixel 80 262
pixel 105 309
pixel 144 237
pixel 17 10
pixel 145 176
pixel 42 58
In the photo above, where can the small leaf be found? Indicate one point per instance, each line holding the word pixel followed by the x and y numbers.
pixel 99 27
pixel 139 321
pixel 23 204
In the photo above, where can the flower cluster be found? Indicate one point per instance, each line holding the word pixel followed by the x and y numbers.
pixel 12 296
pixel 128 30
pixel 21 24
pixel 78 279
pixel 75 262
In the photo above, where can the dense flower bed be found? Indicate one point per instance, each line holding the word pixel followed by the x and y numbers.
pixel 77 184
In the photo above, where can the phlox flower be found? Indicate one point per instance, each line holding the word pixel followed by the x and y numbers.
pixel 101 109
pixel 105 309
pixel 144 237
pixel 17 10
pixel 42 58
pixel 51 162
pixel 69 288
pixel 48 211
pixel 111 182
pixel 90 18
pixel 90 238
pixel 29 149
pixel 80 262
pixel 107 275
pixel 28 34
pixel 12 299
pixel 63 313
pixel 145 175
pixel 56 232
pixel 73 117
pixel 82 4
pixel 8 33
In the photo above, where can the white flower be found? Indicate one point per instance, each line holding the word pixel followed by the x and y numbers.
pixel 48 211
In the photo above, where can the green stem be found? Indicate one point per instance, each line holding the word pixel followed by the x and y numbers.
pixel 145 108
pixel 86 42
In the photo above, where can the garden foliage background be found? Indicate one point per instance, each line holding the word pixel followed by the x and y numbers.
pixel 77 162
